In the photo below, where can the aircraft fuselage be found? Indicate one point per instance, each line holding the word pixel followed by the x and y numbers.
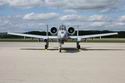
pixel 62 34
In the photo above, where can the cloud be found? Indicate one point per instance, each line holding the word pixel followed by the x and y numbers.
pixel 98 18
pixel 2 2
pixel 23 3
pixel 68 4
pixel 121 18
pixel 79 18
pixel 71 11
pixel 89 4
pixel 17 24
pixel 71 18
pixel 26 3
pixel 83 4
pixel 55 3
pixel 41 16
pixel 99 24
pixel 119 24
pixel 57 18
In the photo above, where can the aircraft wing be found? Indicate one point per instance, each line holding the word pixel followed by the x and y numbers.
pixel 92 36
pixel 33 36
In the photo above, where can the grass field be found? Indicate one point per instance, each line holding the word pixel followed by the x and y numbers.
pixel 96 40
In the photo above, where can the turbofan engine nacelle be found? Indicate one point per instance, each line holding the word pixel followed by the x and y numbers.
pixel 53 30
pixel 71 30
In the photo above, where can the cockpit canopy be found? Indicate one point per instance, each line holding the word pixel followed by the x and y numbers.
pixel 62 27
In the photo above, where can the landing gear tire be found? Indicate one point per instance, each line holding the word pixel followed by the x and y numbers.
pixel 78 47
pixel 60 50
pixel 46 46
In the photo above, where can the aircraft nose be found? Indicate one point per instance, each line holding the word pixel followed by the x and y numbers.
pixel 63 34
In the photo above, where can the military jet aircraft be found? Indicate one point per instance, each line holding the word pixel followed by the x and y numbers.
pixel 62 34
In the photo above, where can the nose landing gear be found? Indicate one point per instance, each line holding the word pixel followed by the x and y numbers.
pixel 60 47
pixel 46 46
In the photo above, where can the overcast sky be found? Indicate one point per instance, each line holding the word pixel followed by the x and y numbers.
pixel 28 15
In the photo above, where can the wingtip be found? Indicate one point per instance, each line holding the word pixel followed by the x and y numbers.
pixel 116 33
pixel 8 32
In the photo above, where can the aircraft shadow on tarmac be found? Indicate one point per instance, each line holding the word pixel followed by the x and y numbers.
pixel 66 50
pixel 75 50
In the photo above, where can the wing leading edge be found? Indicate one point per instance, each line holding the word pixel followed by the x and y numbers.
pixel 55 37
pixel 33 36
pixel 92 36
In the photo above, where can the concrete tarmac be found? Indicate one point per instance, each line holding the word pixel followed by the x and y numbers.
pixel 30 63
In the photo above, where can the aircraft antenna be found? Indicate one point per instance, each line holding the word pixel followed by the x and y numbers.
pixel 78 30
pixel 47 32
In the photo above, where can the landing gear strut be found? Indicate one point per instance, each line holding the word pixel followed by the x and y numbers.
pixel 78 46
pixel 47 44
pixel 60 47
pixel 61 42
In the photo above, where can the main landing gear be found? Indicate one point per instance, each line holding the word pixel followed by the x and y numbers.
pixel 60 48
pixel 78 45
pixel 47 44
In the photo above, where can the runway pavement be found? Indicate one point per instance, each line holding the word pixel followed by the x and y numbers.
pixel 30 63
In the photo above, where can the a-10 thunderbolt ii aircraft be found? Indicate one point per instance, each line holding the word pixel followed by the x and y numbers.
pixel 62 34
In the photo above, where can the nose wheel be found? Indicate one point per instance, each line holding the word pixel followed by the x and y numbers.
pixel 46 46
